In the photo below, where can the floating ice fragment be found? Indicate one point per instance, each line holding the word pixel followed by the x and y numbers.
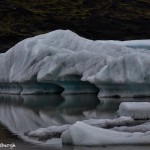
pixel 136 110
pixel 87 135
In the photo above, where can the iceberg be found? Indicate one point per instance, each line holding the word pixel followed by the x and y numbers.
pixel 63 62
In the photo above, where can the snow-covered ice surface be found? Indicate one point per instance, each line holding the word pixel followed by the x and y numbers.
pixel 136 110
pixel 86 135
pixel 62 61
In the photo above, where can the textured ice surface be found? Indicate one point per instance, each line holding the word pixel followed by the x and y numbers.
pixel 107 123
pixel 84 134
pixel 136 110
pixel 65 61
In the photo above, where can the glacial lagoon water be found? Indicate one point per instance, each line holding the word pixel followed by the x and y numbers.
pixel 19 114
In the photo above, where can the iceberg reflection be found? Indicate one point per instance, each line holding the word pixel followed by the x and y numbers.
pixel 22 113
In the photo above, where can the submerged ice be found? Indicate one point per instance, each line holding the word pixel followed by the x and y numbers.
pixel 63 61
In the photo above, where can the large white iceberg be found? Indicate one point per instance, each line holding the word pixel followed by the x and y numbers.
pixel 62 60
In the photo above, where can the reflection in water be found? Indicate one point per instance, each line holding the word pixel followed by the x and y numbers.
pixel 32 101
pixel 107 109
pixel 29 112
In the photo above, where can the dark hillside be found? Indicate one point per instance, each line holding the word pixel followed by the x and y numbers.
pixel 94 19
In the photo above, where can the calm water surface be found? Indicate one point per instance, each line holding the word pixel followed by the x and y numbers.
pixel 19 114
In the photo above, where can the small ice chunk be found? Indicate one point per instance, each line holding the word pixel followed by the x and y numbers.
pixel 136 110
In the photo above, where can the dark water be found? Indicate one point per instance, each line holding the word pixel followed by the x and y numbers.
pixel 19 114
